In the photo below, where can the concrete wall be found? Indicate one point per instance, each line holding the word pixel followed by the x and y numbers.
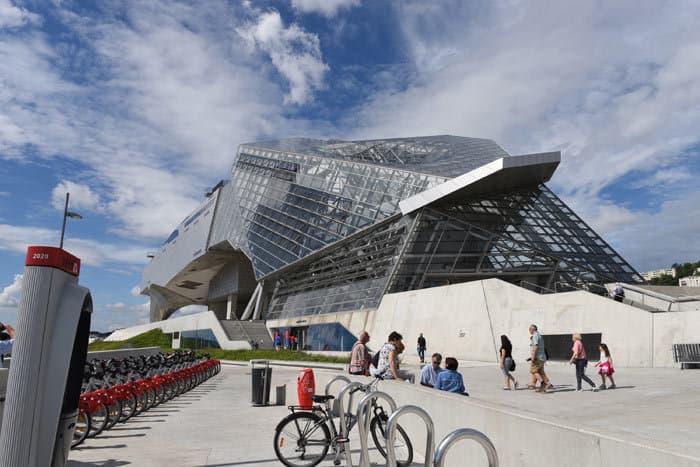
pixel 466 321
pixel 520 440
pixel 204 320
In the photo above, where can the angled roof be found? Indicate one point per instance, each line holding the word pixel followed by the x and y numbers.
pixel 442 155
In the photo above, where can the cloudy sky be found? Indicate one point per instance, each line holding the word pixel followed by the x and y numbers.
pixel 136 108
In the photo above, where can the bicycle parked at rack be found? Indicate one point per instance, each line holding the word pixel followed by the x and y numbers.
pixel 117 389
pixel 304 437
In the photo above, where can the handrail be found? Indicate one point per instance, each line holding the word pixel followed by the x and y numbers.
pixel 333 380
pixel 466 433
pixel 390 434
pixel 344 432
pixel 364 419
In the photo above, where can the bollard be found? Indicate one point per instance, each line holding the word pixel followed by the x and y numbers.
pixel 281 395
pixel 53 326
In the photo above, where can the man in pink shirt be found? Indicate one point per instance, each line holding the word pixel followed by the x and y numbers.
pixel 579 359
pixel 359 357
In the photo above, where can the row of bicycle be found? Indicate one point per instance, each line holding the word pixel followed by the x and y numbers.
pixel 304 437
pixel 116 390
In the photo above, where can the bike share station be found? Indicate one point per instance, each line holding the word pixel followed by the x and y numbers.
pixel 370 417
pixel 53 329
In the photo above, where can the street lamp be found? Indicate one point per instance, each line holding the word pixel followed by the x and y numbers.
pixel 67 213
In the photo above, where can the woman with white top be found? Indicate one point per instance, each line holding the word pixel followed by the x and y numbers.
pixel 388 363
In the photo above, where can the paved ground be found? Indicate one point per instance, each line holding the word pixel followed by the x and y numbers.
pixel 215 424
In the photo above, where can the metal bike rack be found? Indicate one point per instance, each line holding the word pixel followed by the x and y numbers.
pixel 344 432
pixel 390 434
pixel 333 380
pixel 466 433
pixel 363 422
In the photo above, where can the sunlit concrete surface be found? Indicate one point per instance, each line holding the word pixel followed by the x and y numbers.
pixel 215 424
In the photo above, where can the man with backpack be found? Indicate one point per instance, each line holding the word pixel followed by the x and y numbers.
pixel 359 357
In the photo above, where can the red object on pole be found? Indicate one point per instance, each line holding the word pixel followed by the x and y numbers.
pixel 50 256
pixel 306 387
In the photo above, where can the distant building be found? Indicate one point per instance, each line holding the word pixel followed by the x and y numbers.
pixel 658 273
pixel 690 281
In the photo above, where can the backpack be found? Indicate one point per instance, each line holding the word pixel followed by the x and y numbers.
pixel 375 360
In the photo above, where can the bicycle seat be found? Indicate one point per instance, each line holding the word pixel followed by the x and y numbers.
pixel 320 399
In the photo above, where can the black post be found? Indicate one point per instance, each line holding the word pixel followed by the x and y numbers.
pixel 65 212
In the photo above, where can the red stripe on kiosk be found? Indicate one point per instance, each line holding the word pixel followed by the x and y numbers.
pixel 53 257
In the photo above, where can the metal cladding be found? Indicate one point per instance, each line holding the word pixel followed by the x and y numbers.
pixel 329 225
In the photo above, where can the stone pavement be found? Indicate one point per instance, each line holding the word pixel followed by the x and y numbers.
pixel 215 425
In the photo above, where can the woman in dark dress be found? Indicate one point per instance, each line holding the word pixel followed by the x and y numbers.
pixel 506 362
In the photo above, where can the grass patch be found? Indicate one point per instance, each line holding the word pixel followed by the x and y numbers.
pixel 152 338
pixel 156 338
pixel 291 355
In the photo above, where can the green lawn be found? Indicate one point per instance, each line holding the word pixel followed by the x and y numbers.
pixel 156 338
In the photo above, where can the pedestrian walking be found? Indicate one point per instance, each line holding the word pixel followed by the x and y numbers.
pixel 278 341
pixel 421 348
pixel 580 359
pixel 605 367
pixel 506 362
pixel 537 359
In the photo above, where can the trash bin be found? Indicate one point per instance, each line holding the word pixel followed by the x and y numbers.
pixel 281 398
pixel 261 377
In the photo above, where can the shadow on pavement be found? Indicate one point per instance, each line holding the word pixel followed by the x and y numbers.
pixel 107 463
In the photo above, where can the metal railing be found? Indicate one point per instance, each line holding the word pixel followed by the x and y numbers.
pixel 390 434
pixel 461 434
pixel 344 431
pixel 364 419
pixel 333 380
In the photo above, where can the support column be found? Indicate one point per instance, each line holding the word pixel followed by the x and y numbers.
pixel 231 306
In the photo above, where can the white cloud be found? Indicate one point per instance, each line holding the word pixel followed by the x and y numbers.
pixel 81 197
pixel 9 296
pixel 533 79
pixel 163 102
pixel 135 291
pixel 328 8
pixel 12 16
pixel 295 53
pixel 659 239
pixel 119 315
pixel 91 252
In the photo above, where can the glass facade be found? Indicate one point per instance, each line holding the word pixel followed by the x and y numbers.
pixel 198 339
pixel 352 276
pixel 528 237
pixel 321 225
pixel 321 337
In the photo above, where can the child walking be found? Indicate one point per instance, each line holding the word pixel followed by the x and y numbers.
pixel 606 367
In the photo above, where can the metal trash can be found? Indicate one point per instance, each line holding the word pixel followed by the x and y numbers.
pixel 281 398
pixel 261 377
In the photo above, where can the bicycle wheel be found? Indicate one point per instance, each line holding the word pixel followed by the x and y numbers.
pixel 402 444
pixel 128 408
pixel 302 439
pixel 114 413
pixel 82 428
pixel 98 420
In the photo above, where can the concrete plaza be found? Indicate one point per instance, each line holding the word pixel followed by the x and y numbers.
pixel 651 412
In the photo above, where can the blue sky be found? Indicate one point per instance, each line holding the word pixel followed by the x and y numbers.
pixel 137 108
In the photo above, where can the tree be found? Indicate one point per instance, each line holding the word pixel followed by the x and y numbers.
pixel 664 279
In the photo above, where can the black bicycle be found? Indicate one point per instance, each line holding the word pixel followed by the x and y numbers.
pixel 304 437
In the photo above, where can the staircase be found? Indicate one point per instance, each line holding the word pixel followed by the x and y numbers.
pixel 246 331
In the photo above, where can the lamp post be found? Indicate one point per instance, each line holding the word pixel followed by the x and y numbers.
pixel 67 213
